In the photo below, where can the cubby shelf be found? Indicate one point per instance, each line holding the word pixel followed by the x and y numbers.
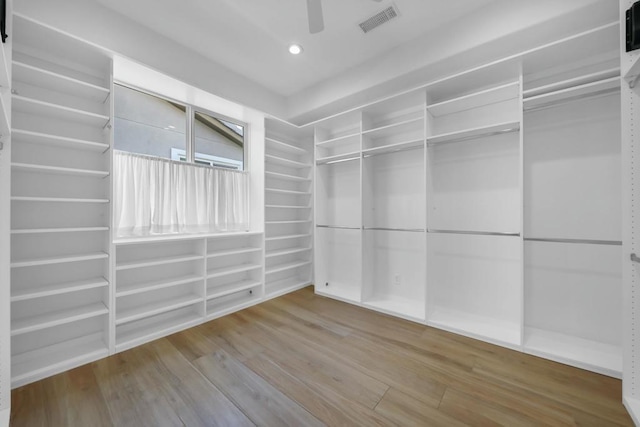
pixel 286 177
pixel 226 271
pixel 59 260
pixel 157 261
pixel 572 93
pixel 575 351
pixel 221 291
pixel 474 133
pixel 41 362
pixel 49 320
pixel 289 192
pixel 56 289
pixel 40 77
pixel 286 162
pixel 287 237
pixel 59 230
pixel 44 138
pixel 287 251
pixel 26 167
pixel 488 329
pixel 138 288
pixel 150 329
pixel 286 266
pixel 41 108
pixel 285 146
pixel 152 309
pixel 227 252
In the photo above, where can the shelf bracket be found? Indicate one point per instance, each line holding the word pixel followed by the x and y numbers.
pixel 635 258
pixel 633 80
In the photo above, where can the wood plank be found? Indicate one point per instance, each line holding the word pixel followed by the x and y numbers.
pixel 259 400
pixel 404 410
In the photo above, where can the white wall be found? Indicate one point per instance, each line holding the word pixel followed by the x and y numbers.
pixel 103 27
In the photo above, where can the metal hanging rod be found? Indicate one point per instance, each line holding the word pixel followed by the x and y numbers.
pixel 577 241
pixel 337 227
pixel 331 162
pixel 571 99
pixel 409 230
pixel 392 150
pixel 478 233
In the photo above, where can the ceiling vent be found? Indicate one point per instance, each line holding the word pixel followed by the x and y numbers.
pixel 378 19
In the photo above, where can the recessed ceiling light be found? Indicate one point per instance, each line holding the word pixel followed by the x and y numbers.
pixel 295 49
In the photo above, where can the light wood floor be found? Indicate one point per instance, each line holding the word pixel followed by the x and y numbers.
pixel 306 360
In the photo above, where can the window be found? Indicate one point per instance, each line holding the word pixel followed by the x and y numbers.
pixel 150 125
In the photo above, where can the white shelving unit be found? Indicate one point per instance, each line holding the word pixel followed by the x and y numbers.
pixel 60 228
pixel 289 231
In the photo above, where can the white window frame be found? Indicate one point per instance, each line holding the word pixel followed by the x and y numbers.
pixel 200 158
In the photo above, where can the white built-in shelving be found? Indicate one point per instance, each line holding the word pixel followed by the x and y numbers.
pixel 60 228
pixel 288 185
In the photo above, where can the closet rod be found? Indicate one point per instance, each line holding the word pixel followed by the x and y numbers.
pixel 478 233
pixel 331 162
pixel 338 227
pixel 579 241
pixel 571 99
pixel 411 230
pixel 396 150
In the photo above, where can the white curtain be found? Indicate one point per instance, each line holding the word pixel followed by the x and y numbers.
pixel 160 196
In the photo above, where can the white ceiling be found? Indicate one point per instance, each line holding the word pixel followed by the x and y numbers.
pixel 251 36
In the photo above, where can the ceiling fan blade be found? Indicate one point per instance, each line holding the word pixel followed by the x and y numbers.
pixel 316 20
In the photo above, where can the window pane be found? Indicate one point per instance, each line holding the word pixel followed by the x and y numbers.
pixel 218 142
pixel 146 124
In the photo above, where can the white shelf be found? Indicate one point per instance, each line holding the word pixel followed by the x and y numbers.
pixel 56 289
pixel 39 363
pixel 58 170
pixel 55 111
pixel 286 162
pixel 633 407
pixel 480 327
pixel 290 192
pixel 474 133
pixel 63 141
pixel 395 128
pixel 227 252
pixel 344 293
pixel 226 271
pixel 406 308
pixel 287 266
pixel 138 288
pixel 282 287
pixel 287 237
pixel 157 261
pixel 297 221
pixel 222 291
pixel 49 320
pixel 573 82
pixel 475 100
pixel 594 356
pixel 392 148
pixel 337 141
pixel 290 251
pixel 59 260
pixel 355 155
pixel 174 237
pixel 576 92
pixel 57 200
pixel 40 77
pixel 139 334
pixel 286 207
pixel 156 308
pixel 59 230
pixel 286 177
pixel 285 146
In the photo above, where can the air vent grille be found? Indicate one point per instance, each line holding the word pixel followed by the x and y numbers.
pixel 378 19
